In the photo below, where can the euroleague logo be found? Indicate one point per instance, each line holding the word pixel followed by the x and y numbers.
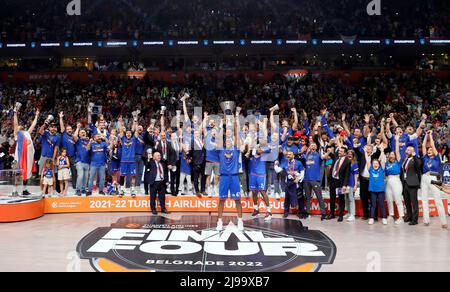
pixel 192 244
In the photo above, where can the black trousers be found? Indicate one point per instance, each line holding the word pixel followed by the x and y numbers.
pixel 158 189
pixel 365 196
pixel 175 180
pixel 301 200
pixel 73 171
pixel 333 198
pixel 199 178
pixel 411 202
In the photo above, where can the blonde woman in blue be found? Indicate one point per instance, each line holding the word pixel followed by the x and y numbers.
pixel 377 185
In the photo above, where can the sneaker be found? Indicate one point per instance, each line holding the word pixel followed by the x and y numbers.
pixel 240 225
pixel 384 221
pixel 88 194
pixel 78 193
pixel 347 216
pixel 351 218
pixel 399 221
pixel 133 195
pixel 219 225
pixel 371 221
pixel 277 196
pixel 102 193
pixel 285 215
pixel 268 217
pixel 255 213
pixel 26 193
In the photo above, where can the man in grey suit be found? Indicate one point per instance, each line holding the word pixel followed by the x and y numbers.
pixel 411 178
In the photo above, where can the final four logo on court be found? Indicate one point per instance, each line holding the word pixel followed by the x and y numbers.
pixel 193 245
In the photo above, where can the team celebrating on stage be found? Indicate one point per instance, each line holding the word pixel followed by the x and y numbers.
pixel 232 156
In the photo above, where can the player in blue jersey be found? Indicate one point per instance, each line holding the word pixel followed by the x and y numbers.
pixel 295 172
pixel 258 179
pixel 229 186
pixel 128 144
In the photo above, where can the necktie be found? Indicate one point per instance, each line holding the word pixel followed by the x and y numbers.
pixel 337 167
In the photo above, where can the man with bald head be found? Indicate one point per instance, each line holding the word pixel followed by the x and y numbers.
pixel 411 178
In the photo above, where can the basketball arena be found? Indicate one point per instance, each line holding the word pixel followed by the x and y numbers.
pixel 224 137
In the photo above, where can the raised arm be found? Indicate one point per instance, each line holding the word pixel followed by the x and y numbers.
pixel 424 144
pixel 422 126
pixel 397 148
pixel 77 132
pixel 34 123
pixel 16 123
pixel 345 124
pixel 237 138
pixel 61 122
pixel 163 122
pixel 382 157
pixel 433 146
pixel 383 132
pixel 295 124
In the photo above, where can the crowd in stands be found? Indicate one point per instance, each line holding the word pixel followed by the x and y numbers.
pixel 162 19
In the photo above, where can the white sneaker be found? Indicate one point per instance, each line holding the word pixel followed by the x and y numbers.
pixel 268 217
pixel 347 216
pixel 371 221
pixel 351 218
pixel 219 225
pixel 384 221
pixel 399 221
pixel 277 196
pixel 240 225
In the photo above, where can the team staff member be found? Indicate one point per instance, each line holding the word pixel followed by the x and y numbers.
pixel 98 150
pixel 68 143
pixel 258 181
pixel 140 148
pixel 156 178
pixel 50 141
pixel 352 186
pixel 212 166
pixel 82 159
pixel 411 177
pixel 311 183
pixel 394 187
pixel 431 163
pixel 294 175
pixel 377 186
pixel 339 183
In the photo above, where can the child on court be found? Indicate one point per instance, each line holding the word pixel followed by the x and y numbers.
pixel 48 178
pixel 63 172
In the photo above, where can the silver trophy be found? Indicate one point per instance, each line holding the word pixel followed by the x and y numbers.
pixel 163 109
pixel 275 108
pixel 228 108
pixel 18 106
pixel 49 119
pixel 178 113
pixel 184 94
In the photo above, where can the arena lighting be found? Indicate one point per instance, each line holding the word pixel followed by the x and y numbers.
pixel 261 42
pixel 33 45
pixel 205 42
pixel 46 45
pixel 242 42
pixel 153 43
pixel 135 43
pixel 279 42
pixel 404 41
pixel 99 44
pixel 422 41
pixel 296 42
pixel 1 45
pixel 16 45
pixel 171 43
pixel 116 44
pixel 332 42
pixel 315 42
pixel 66 44
pixel 187 42
pixel 387 41
pixel 371 42
pixel 223 42
pixel 83 44
pixel 439 41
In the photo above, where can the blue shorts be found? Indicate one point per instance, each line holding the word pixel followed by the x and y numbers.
pixel 229 187
pixel 257 182
pixel 114 166
pixel 128 169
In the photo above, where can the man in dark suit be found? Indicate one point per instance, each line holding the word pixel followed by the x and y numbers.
pixel 411 178
pixel 156 177
pixel 339 183
pixel 173 163
pixel 197 156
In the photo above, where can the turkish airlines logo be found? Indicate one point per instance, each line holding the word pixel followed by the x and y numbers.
pixel 193 245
